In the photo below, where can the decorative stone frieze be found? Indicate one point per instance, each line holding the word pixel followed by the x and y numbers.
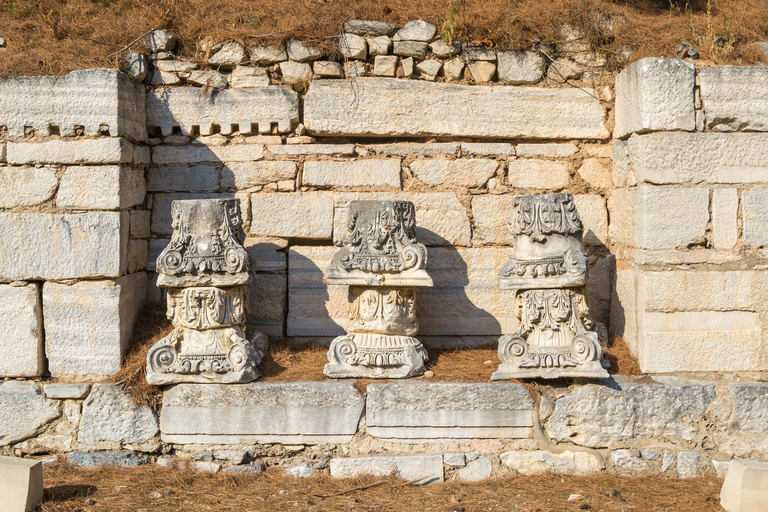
pixel 548 268
pixel 382 263
pixel 206 269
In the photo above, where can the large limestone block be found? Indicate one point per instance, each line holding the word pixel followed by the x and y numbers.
pixel 267 298
pixel 26 186
pixel 441 219
pixel 414 412
pixel 108 187
pixel 88 151
pixel 24 411
pixel 754 207
pixel 195 178
pixel 750 407
pixel 537 174
pixel 471 172
pixel 426 469
pixel 21 331
pixel 243 175
pixel 96 99
pixel 110 414
pixel 655 93
pixel 88 325
pixel 735 98
pixel 599 416
pixel 725 217
pixel 21 484
pixel 183 107
pixel 539 462
pixel 298 215
pixel 53 246
pixel 745 488
pixel 161 210
pixel 199 153
pixel 290 413
pixel 377 172
pixel 391 107
pixel 662 158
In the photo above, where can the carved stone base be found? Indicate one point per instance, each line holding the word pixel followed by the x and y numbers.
pixel 219 355
pixel 375 356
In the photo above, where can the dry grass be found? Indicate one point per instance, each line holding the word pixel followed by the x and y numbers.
pixel 622 361
pixel 130 490
pixel 53 36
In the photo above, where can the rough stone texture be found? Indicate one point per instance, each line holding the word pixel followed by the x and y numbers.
pixel 247 77
pixel 745 488
pixel 453 68
pixel 425 412
pixel 471 172
pixel 88 325
pixel 24 411
pixel 655 93
pixel 90 98
pixel 725 212
pixel 243 175
pixel 750 407
pixel 594 216
pixel 88 151
pixel 734 98
pixel 597 173
pixel 301 215
pixel 267 55
pixel 369 28
pixel 164 155
pixel 416 148
pixel 108 187
pixel 416 30
pixel 195 178
pixel 353 46
pixel 537 174
pixel 208 78
pixel 662 158
pixel 476 470
pixel 521 68
pixel 300 471
pixel 21 331
pixel 754 206
pixel 229 56
pixel 110 414
pixel 161 210
pixel 176 66
pixel 64 391
pixel 482 71
pixel 327 69
pixel 21 484
pixel 296 72
pixel 455 459
pixel 158 77
pixel 385 65
pixel 625 460
pixel 296 412
pixel 428 69
pixel 429 468
pixel 94 460
pixel 388 107
pixel 488 148
pixel 598 416
pixel 415 49
pixel 443 50
pixel 26 186
pixel 538 462
pixel 359 173
pixel 379 45
pixel 159 41
pixel 354 68
pixel 182 107
pixel 687 463
pixel 302 52
pixel 53 246
pixel 546 150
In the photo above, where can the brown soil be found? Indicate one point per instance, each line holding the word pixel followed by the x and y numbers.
pixel 56 36
pixel 131 489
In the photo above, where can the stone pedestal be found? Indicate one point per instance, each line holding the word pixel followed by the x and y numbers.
pixel 21 484
pixel 382 263
pixel 206 269
pixel 745 488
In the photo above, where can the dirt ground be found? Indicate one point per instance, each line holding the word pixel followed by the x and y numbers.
pixel 154 489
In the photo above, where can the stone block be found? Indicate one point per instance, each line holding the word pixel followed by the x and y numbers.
pixel 195 178
pixel 91 460
pixel 168 155
pixel 476 470
pixel 426 469
pixel 312 149
pixel 687 464
pixel 754 206
pixel 390 108
pixel 414 412
pixel 168 108
pixel 662 158
pixel 88 325
pixel 244 175
pixel 415 49
pixel 540 462
pixel 267 298
pixel 161 210
pixel 625 460
pixel 21 331
pixel 99 100
pixel 108 187
pixel 546 150
pixel 138 251
pixel 416 148
pixel 288 413
pixel 110 414
pixel 65 391
pixel 299 215
pixel 26 186
pixel 597 173
pixel 21 484
pixel 87 151
pixel 488 148
pixel 377 172
pixel 521 68
pixel 353 46
pixel 139 224
pixel 745 488
pixel 537 174
pixel 655 94
pixel 735 98
pixel 594 217
pixel 327 69
pixel 470 172
pixel 385 65
pixel 54 246
pixel 750 407
pixel 725 213
pixel 24 411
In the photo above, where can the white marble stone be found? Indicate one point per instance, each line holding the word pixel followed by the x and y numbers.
pixel 425 469
pixel 87 151
pixel 745 488
pixel 378 172
pixel 734 98
pixel 26 186
pixel 470 172
pixel 108 187
pixel 21 483
pixel 298 215
pixel 539 462
pixel 21 331
pixel 110 414
pixel 24 411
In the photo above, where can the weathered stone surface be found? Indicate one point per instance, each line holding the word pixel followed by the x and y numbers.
pixel 90 460
pixel 385 65
pixel 312 149
pixel 488 148
pixel 625 460
pixel 353 68
pixel 302 52
pixel 176 66
pixel 110 414
pixel 139 227
pixel 247 77
pixel 750 407
pixel 64 391
pixel 745 487
pixel 300 215
pixel 182 107
pixel 386 107
pixel 267 55
pixel 107 187
pixel 537 174
pixel 21 331
pixel 734 98
pixel 418 412
pixel 327 69
pixel 91 98
pixel 243 175
pixel 521 68
pixel 453 68
pixel 538 462
pixel 428 69
pixel 207 78
pixel 546 150
pixel 300 471
pixel 297 412
pixel 74 313
pixel 471 173
pixel 63 246
pixel 24 411
pixel 379 45
pixel 296 72
pixel 353 46
pixel 158 77
pixel 476 470
pixel 597 173
pixel 161 210
pixel 754 206
pixel 267 302
pixel 159 41
pixel 21 483
pixel 594 216
pixel 416 148
pixel 214 154
pixel 88 151
pixel 655 93
pixel 195 178
pixel 415 49
pixel 725 213
pixel 416 30
pixel 229 56
pixel 455 459
pixel 378 172
pixel 443 50
pixel 428 468
pixel 687 463
pixel 482 71
pixel 26 186
pixel 598 416
pixel 369 28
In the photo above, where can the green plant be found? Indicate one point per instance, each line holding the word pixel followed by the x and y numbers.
pixel 454 9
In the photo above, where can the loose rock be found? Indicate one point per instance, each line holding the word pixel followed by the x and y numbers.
pixel 416 30
pixel 410 49
pixel 134 64
pixel 302 52
pixel 429 69
pixel 521 68
pixel 453 68
pixel 229 56
pixel 295 72
pixel 97 459
pixel 369 28
pixel 353 46
pixel 245 77
pixel 301 471
pixel 482 71
pixel 208 78
pixel 444 50
pixel 385 65
pixel 160 41
pixel 476 470
pixel 379 45
pixel 478 54
pixel 327 69
pixel 267 55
